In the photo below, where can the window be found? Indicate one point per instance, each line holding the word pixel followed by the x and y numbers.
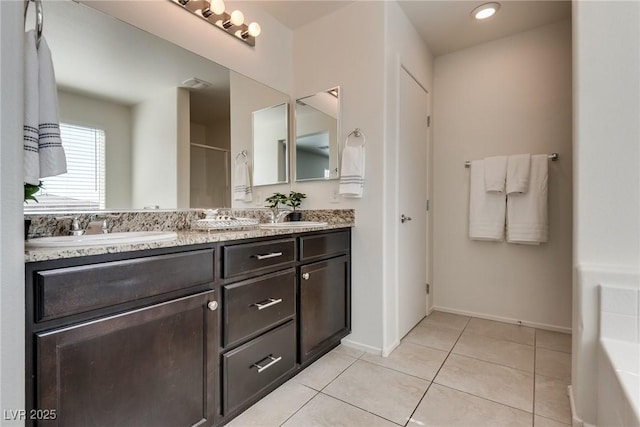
pixel 83 186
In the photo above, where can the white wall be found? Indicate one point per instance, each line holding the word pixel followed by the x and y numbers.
pixel 332 51
pixel 156 176
pixel 507 96
pixel 11 218
pixel 115 120
pixel 403 49
pixel 607 179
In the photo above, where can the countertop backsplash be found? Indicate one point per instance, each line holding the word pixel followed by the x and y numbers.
pixel 59 224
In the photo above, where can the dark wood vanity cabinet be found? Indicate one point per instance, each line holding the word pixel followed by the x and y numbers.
pixel 126 342
pixel 186 336
pixel 324 293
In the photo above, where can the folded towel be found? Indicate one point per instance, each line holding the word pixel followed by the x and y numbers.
pixel 30 133
pixel 495 173
pixel 242 183
pixel 527 218
pixel 518 171
pixel 352 171
pixel 486 210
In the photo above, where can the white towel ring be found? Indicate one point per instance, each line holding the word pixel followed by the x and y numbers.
pixel 39 18
pixel 357 132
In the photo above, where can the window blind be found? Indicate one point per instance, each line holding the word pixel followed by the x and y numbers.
pixel 83 186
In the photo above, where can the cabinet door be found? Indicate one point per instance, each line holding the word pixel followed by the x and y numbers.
pixel 154 366
pixel 325 305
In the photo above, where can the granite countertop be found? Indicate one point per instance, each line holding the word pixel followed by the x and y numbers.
pixel 185 237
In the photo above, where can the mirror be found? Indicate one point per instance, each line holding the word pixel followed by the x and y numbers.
pixel 317 130
pixel 270 138
pixel 171 119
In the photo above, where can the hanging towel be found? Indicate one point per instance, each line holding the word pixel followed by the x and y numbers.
pixel 352 171
pixel 518 171
pixel 31 105
pixel 495 173
pixel 486 210
pixel 52 158
pixel 242 183
pixel 45 156
pixel 527 220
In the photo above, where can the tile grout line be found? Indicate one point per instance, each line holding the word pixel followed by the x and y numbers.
pixel 535 354
pixel 437 372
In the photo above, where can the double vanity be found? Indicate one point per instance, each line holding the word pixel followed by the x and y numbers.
pixel 183 332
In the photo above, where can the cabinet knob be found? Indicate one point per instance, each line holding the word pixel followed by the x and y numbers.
pixel 305 276
pixel 213 305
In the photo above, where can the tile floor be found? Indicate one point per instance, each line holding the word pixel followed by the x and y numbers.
pixel 449 370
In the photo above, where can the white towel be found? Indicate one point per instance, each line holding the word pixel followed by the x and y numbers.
pixel 486 210
pixel 52 158
pixel 495 173
pixel 31 105
pixel 242 183
pixel 527 218
pixel 352 171
pixel 43 152
pixel 518 171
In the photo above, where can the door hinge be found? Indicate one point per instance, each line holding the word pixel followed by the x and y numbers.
pixel 428 289
pixel 428 121
pixel 427 204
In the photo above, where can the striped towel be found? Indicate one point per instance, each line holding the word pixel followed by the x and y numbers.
pixel 352 172
pixel 242 183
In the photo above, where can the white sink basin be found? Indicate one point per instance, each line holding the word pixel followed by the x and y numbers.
pixel 293 224
pixel 109 239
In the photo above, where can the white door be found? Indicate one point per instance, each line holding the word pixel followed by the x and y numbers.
pixel 412 200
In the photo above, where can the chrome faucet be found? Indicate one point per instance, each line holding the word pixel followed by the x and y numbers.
pixel 276 215
pixel 95 226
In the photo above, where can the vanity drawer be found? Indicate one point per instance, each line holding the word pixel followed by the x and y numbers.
pixel 65 291
pixel 324 244
pixel 257 257
pixel 257 304
pixel 250 368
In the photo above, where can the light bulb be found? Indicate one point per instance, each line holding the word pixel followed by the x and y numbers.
pixel 237 18
pixel 217 7
pixel 486 10
pixel 254 29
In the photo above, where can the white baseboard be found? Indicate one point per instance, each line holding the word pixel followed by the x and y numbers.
pixel 505 319
pixel 362 347
pixel 387 350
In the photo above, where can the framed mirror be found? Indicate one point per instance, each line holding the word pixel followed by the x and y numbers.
pixel 170 119
pixel 270 145
pixel 317 123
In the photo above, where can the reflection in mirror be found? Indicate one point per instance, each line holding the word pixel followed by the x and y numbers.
pixel 165 111
pixel 270 145
pixel 317 122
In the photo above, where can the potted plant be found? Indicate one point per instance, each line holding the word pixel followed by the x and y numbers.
pixel 294 200
pixel 29 194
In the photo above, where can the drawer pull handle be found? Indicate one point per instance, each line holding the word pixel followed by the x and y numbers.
pixel 267 256
pixel 305 276
pixel 272 361
pixel 213 305
pixel 267 303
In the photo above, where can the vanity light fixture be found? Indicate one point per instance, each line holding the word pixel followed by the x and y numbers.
pixel 485 11
pixel 213 11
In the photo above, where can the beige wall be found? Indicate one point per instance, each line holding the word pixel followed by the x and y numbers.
pixel 115 120
pixel 508 96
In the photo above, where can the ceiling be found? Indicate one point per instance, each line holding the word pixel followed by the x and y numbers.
pixel 445 25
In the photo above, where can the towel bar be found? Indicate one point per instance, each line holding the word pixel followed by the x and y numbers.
pixel 553 157
pixel 39 18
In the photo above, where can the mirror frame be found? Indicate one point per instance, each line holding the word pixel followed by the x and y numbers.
pixel 338 153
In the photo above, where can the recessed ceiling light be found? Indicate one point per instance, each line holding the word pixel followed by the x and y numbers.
pixel 485 11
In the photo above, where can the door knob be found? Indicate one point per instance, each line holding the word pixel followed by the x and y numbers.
pixel 213 305
pixel 305 276
pixel 404 218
